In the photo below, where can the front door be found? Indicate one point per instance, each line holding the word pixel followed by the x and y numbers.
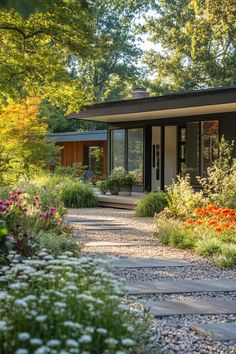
pixel 156 158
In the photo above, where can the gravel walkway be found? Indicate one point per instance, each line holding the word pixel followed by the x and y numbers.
pixel 173 332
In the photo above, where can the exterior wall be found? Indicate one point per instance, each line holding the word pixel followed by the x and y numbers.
pixel 73 152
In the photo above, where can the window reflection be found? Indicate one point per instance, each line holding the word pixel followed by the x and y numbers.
pixel 135 152
pixel 117 148
pixel 210 138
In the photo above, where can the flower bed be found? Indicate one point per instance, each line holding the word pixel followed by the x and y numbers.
pixel 64 305
pixel 211 231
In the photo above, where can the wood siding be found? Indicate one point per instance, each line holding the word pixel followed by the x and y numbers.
pixel 73 152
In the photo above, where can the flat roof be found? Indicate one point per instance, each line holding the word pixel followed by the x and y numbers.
pixel 177 104
pixel 97 135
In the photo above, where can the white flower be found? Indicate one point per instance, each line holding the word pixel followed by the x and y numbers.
pixel 42 350
pixel 36 341
pixel 41 318
pixel 85 339
pixel 24 336
pixel 60 304
pixel 128 342
pixel 3 326
pixel 21 302
pixel 101 330
pixel 21 351
pixel 72 343
pixel 53 343
pixel 111 341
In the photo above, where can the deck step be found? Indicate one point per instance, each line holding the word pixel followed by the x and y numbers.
pixel 117 201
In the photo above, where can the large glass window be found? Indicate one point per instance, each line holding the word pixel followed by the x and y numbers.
pixel 135 152
pixel 210 138
pixel 117 148
pixel 193 151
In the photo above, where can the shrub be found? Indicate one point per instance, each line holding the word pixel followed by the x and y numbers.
pixel 103 186
pixel 151 204
pixel 65 304
pixel 182 200
pixel 227 257
pixel 208 246
pixel 57 244
pixel 78 195
pixel 76 170
pixel 219 186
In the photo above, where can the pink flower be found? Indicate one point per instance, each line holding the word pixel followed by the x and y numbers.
pixel 1 202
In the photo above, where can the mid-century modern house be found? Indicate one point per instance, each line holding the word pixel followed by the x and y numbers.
pixel 166 135
pixel 78 147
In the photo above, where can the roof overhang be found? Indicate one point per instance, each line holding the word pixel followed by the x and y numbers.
pixel 207 101
pixel 98 135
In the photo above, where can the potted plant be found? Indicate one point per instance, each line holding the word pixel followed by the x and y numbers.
pixel 103 186
pixel 126 183
pixel 113 185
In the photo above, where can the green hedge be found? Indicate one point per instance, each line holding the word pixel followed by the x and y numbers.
pixel 151 204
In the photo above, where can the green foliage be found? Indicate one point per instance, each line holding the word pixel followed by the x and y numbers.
pixel 227 257
pixel 58 243
pixel 170 233
pixel 195 44
pixel 208 247
pixel 61 304
pixel 103 186
pixel 182 198
pixel 219 186
pixel 44 46
pixel 78 195
pixel 76 170
pixel 23 146
pixel 151 204
pixel 121 177
pixel 97 156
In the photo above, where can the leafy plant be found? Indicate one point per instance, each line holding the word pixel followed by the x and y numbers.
pixel 58 243
pixel 219 186
pixel 76 170
pixel 151 204
pixel 103 186
pixel 182 200
pixel 78 195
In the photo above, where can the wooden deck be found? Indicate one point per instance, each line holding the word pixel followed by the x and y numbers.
pixel 119 202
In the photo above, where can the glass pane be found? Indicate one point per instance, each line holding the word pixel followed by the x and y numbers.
pixel 183 134
pixel 135 152
pixel 210 138
pixel 193 151
pixel 117 148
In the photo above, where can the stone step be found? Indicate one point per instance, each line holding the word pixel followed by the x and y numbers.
pixel 117 244
pixel 80 220
pixel 149 263
pixel 181 286
pixel 108 228
pixel 191 307
pixel 217 331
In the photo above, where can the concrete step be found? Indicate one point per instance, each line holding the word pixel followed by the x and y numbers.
pixel 117 201
pixel 117 244
pixel 181 286
pixel 191 307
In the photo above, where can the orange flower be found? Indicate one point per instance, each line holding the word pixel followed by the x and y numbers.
pixel 218 229
pixel 212 222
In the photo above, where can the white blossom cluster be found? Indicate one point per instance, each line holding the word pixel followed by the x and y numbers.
pixel 62 305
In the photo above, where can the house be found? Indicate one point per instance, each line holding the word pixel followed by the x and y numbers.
pixel 79 148
pixel 166 135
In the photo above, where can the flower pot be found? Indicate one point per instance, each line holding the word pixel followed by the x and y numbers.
pixel 125 190
pixel 114 190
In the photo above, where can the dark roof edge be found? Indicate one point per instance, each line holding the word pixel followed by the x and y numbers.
pixel 215 90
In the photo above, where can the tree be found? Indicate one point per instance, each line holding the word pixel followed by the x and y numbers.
pixel 36 52
pixel 115 70
pixel 23 146
pixel 196 44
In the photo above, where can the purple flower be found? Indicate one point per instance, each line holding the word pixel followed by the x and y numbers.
pixel 1 202
pixel 8 202
pixel 53 211
pixel 3 208
pixel 44 215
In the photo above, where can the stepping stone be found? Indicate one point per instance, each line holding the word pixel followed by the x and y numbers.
pixel 104 228
pixel 181 286
pixel 149 263
pixel 93 223
pixel 79 220
pixel 217 331
pixel 117 244
pixel 191 307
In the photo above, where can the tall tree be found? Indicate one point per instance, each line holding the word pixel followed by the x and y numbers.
pixel 195 44
pixel 115 70
pixel 35 52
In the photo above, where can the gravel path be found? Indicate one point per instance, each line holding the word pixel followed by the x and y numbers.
pixel 173 333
